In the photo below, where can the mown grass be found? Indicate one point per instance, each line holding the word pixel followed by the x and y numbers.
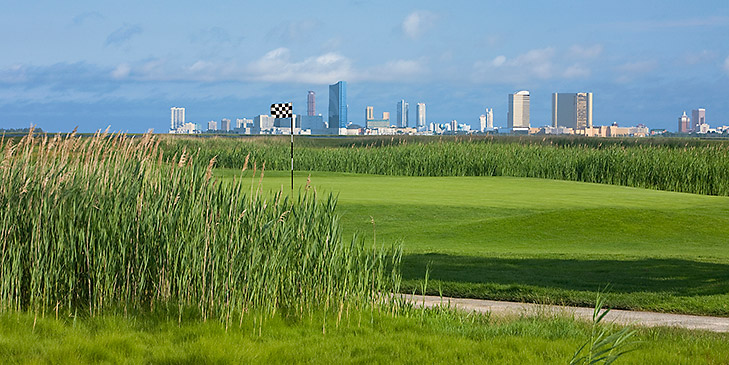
pixel 361 337
pixel 543 240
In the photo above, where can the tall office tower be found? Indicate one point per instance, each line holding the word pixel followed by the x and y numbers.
pixel 311 104
pixel 177 117
pixel 572 110
pixel 420 116
pixel 489 118
pixel 482 122
pixel 225 124
pixel 698 117
pixel 212 125
pixel 338 105
pixel 402 114
pixel 369 113
pixel 684 123
pixel 518 114
pixel 386 116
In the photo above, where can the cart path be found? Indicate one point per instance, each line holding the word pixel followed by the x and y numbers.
pixel 622 317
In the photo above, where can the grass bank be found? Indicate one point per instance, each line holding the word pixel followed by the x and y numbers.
pixel 361 337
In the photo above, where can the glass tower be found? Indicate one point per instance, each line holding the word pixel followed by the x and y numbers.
pixel 338 105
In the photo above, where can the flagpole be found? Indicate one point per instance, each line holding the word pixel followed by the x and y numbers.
pixel 293 117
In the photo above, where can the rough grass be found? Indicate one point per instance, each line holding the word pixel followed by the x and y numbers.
pixel 364 337
pixel 543 240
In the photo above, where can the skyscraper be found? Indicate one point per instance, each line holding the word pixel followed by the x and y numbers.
pixel 212 125
pixel 490 118
pixel 698 117
pixel 369 113
pixel 338 105
pixel 482 122
pixel 177 117
pixel 311 103
pixel 402 114
pixel 420 116
pixel 572 110
pixel 684 123
pixel 225 124
pixel 518 114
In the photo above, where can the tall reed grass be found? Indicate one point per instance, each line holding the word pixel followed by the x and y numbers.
pixel 691 166
pixel 112 223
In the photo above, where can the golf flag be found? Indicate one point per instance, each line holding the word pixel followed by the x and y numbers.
pixel 283 110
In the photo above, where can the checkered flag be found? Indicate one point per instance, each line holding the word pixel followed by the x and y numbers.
pixel 283 110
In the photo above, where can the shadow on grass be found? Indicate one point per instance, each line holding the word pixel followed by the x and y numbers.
pixel 655 284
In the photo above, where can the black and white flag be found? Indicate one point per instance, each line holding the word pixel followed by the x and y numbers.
pixel 283 110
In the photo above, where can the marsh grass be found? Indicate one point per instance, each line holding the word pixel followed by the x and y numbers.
pixel 682 165
pixel 111 223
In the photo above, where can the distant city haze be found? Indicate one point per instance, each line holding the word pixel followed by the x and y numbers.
pixel 125 64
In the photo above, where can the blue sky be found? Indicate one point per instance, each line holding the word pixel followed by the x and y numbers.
pixel 96 63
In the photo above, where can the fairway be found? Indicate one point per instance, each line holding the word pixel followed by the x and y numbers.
pixel 541 240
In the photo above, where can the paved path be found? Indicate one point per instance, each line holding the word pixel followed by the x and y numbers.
pixel 624 317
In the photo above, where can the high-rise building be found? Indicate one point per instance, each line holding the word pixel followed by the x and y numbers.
pixel 402 114
pixel 518 114
pixel 212 125
pixel 386 116
pixel 338 105
pixel 369 113
pixel 684 123
pixel 572 110
pixel 225 124
pixel 311 104
pixel 698 117
pixel 420 116
pixel 177 118
pixel 482 123
pixel 489 118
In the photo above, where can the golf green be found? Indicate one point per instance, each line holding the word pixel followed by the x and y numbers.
pixel 539 240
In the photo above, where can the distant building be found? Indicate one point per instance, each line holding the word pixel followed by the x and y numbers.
pixel 482 123
pixel 386 116
pixel 378 123
pixel 311 104
pixel 243 123
pixel 212 125
pixel 186 128
pixel 402 114
pixel 177 117
pixel 225 124
pixel 489 118
pixel 518 114
pixel 315 123
pixel 684 123
pixel 420 117
pixel 369 113
pixel 698 117
pixel 262 123
pixel 338 105
pixel 572 110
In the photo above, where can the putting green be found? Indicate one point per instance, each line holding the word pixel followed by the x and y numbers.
pixel 542 240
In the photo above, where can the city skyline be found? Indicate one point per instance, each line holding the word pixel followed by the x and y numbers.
pixel 97 64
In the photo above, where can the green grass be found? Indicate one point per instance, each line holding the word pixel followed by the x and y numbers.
pixel 542 240
pixel 362 337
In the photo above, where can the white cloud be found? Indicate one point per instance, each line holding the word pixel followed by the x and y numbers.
pixel 121 71
pixel 395 70
pixel 638 66
pixel 586 52
pixel 576 71
pixel 277 66
pixel 726 65
pixel 537 64
pixel 499 60
pixel 415 24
